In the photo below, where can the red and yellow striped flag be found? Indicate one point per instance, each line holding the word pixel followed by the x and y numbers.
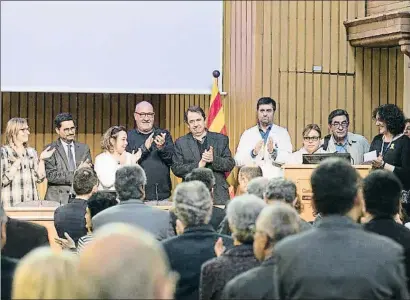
pixel 216 123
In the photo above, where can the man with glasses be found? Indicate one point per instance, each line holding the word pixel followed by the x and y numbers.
pixel 69 156
pixel 341 140
pixel 156 158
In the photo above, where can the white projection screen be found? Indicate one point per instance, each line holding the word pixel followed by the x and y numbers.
pixel 153 47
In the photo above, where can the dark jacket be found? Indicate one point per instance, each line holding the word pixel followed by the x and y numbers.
pixel 388 227
pixel 155 162
pixel 187 157
pixel 216 272
pixel 187 252
pixel 70 218
pixel 255 284
pixel 338 259
pixel 8 266
pixel 22 237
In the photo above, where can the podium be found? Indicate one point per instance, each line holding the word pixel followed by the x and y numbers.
pixel 300 175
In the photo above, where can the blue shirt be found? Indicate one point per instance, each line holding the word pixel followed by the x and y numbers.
pixel 264 135
pixel 341 148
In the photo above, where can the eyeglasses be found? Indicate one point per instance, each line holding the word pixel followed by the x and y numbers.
pixel 344 124
pixel 67 130
pixel 27 129
pixel 144 115
pixel 311 138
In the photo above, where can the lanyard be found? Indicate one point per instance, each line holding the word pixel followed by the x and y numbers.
pixel 388 146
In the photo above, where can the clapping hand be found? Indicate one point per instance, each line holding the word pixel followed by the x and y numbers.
pixel 219 247
pixel 160 140
pixel 257 147
pixel 149 140
pixel 208 155
pixel 270 145
pixel 85 164
pixel 136 155
pixel 47 153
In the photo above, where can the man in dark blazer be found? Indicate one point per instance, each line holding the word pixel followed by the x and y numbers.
pixel 382 194
pixel 129 184
pixel 70 217
pixel 338 259
pixel 202 148
pixel 69 156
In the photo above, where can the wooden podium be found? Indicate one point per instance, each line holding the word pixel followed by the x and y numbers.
pixel 300 175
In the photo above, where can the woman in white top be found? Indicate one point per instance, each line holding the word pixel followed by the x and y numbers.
pixel 311 142
pixel 114 156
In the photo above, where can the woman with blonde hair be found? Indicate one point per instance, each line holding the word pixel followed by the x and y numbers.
pixel 21 169
pixel 113 143
pixel 47 274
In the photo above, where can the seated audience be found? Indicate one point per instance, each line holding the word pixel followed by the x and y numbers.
pixel 130 186
pixel 97 203
pixel 246 174
pixel 8 265
pixel 311 144
pixel 196 240
pixel 338 259
pixel 69 218
pixel 281 189
pixel 274 223
pixel 242 213
pixel 257 186
pixel 382 193
pixel 48 274
pixel 127 262
pixel 113 143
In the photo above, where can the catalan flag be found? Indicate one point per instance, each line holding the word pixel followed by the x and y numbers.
pixel 216 123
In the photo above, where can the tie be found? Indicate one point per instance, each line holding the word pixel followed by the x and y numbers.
pixel 71 162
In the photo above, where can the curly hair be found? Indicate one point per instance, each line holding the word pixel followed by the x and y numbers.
pixel 391 115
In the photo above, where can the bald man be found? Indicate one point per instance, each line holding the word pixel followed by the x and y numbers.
pixel 135 264
pixel 157 150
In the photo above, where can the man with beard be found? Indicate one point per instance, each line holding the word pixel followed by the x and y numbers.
pixel 69 156
pixel 265 144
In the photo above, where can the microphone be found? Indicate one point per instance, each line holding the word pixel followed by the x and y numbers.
pixel 321 146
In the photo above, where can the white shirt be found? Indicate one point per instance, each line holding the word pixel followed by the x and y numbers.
pixel 296 158
pixel 106 166
pixel 65 145
pixel 251 137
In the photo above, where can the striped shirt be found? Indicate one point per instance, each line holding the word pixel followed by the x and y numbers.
pixel 83 241
pixel 22 185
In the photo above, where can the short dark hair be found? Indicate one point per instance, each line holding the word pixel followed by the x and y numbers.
pixel 335 185
pixel 266 100
pixel 393 116
pixel 311 127
pixel 60 118
pixel 251 172
pixel 84 181
pixel 129 182
pixel 100 201
pixel 382 193
pixel 336 113
pixel 206 176
pixel 194 109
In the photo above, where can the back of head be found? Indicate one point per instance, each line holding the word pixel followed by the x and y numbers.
pixel 47 274
pixel 281 189
pixel 134 264
pixel 192 203
pixel 100 201
pixel 382 193
pixel 85 180
pixel 205 175
pixel 250 172
pixel 257 186
pixel 130 182
pixel 242 213
pixel 335 186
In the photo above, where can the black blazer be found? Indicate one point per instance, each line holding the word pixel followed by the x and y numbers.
pixel 186 158
pixel 8 265
pixel 70 218
pixel 187 253
pixel 22 237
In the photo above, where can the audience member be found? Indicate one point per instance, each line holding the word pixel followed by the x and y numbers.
pixel 274 223
pixel 69 218
pixel 130 186
pixel 338 258
pixel 281 189
pixel 126 262
pixel 242 213
pixel 195 243
pixel 257 186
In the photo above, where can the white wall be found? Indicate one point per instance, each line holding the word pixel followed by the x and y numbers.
pixel 101 46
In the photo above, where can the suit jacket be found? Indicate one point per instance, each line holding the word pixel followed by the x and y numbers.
pixel 70 218
pixel 187 252
pixel 186 158
pixel 135 212
pixel 338 259
pixel 59 178
pixel 8 266
pixel 22 237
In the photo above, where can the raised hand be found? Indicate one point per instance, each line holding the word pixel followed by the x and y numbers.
pixel 148 141
pixel 47 153
pixel 219 247
pixel 66 243
pixel 270 145
pixel 85 164
pixel 160 140
pixel 258 147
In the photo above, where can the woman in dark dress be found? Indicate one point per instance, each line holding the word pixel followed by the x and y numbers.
pixel 392 146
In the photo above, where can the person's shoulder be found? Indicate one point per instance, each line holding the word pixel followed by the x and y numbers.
pixel 182 139
pixel 378 137
pixel 295 241
pixel 79 144
pixel 25 225
pixel 250 130
pixel 279 129
pixel 217 136
pixel 386 245
pixel 243 279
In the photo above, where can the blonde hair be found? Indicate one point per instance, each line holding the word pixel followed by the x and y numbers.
pixel 111 133
pixel 13 127
pixel 47 274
